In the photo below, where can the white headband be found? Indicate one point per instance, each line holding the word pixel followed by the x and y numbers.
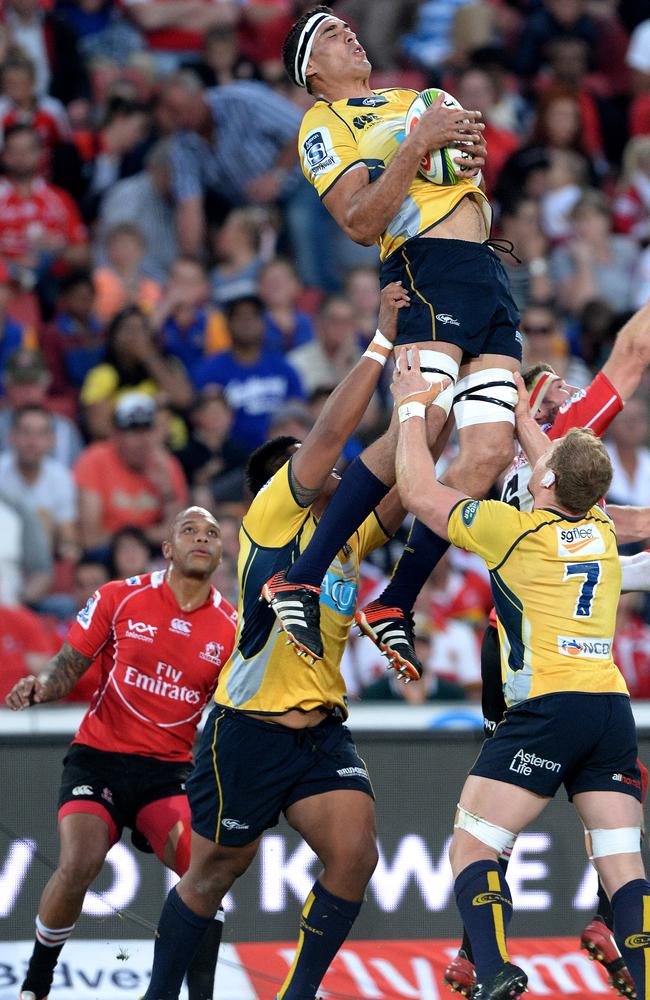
pixel 305 43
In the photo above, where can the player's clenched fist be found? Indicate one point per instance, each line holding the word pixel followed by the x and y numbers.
pixel 441 126
pixel 27 691
pixel 393 298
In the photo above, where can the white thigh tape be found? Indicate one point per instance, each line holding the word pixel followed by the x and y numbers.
pixel 436 366
pixel 496 837
pixel 485 397
pixel 602 843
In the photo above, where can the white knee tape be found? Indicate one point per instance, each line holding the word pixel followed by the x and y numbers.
pixel 485 397
pixel 602 843
pixel 496 837
pixel 436 366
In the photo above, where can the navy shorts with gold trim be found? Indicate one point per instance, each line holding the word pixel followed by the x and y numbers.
pixel 248 771
pixel 460 294
pixel 586 742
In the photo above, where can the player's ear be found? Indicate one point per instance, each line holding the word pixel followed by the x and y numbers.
pixel 167 550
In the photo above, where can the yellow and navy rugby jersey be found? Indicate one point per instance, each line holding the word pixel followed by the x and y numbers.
pixel 338 137
pixel 264 674
pixel 555 582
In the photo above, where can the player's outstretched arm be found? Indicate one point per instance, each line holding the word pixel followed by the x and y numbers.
pixel 635 572
pixel 531 437
pixel 56 681
pixel 630 355
pixel 314 460
pixel 418 487
pixel 363 210
pixel 632 523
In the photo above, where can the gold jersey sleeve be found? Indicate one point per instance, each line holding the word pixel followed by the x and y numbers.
pixel 366 133
pixel 555 582
pixel 264 675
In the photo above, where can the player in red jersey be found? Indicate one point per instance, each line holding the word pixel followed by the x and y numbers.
pixel 557 407
pixel 161 640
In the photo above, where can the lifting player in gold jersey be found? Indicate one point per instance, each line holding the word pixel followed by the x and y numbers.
pixel 555 577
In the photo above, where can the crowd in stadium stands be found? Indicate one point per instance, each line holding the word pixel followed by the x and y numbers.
pixel 172 292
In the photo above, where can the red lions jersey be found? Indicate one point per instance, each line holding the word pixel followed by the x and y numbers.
pixel 159 665
pixel 47 210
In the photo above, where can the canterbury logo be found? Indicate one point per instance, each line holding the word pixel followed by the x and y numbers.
pixel 638 941
pixel 486 898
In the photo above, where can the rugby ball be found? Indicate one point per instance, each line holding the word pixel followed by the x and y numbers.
pixel 437 166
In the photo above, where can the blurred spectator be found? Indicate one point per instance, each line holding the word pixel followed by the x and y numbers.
pixel 222 60
pixel 48 41
pixel 206 153
pixel 565 180
pixel 25 558
pixel 21 103
pixel 285 326
pixel 29 475
pixel 256 382
pixel 520 223
pixel 40 226
pixel 145 196
pixel 563 123
pixel 475 88
pixel 293 420
pixel 237 247
pixel 132 362
pixel 326 360
pixel 175 26
pixel 123 131
pixel 629 454
pixel 595 264
pixel 121 281
pixel 130 553
pixel 74 342
pixel 545 343
pixel 26 383
pixel 129 479
pixel 190 329
pixel 631 213
pixel 25 646
pixel 431 42
pixel 212 451
pixel 638 58
pixel 89 575
pixel 361 289
pixel 13 336
pixel 553 19
pixel 632 645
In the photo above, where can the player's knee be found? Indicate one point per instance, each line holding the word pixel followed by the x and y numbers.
pixel 356 860
pixel 80 870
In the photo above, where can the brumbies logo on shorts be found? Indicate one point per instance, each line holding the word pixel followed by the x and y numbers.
pixel 234 824
pixel 318 152
pixel 592 649
pixel 584 540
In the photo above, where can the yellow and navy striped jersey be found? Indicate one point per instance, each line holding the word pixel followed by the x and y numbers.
pixel 264 674
pixel 367 131
pixel 555 581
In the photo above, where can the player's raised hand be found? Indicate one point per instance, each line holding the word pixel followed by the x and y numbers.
pixel 440 126
pixel 393 298
pixel 409 384
pixel 522 408
pixel 26 692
